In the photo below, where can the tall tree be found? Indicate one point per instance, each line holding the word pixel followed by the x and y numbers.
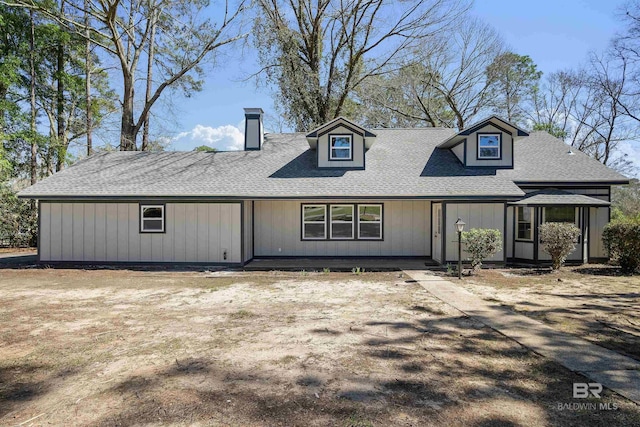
pixel 185 37
pixel 317 53
pixel 512 78
pixel 32 99
pixel 462 67
pixel 149 88
pixel 553 103
pixel 88 65
pixel 445 83
pixel 582 107
pixel 403 98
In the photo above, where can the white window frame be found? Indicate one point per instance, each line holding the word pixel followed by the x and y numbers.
pixel 324 222
pixel 380 221
pixel 349 148
pixel 499 135
pixel 352 222
pixel 576 217
pixel 142 218
pixel 531 216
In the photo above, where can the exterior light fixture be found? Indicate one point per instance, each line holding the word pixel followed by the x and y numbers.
pixel 460 227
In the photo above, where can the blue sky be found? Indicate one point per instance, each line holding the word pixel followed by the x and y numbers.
pixel 556 34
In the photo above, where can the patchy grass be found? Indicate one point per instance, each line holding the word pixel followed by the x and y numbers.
pixel 595 302
pixel 242 314
pixel 118 347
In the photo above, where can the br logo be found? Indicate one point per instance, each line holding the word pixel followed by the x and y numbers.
pixel 582 390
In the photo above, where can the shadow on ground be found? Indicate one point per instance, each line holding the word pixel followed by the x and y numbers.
pixel 474 378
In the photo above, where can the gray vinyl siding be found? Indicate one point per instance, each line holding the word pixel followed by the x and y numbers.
pixel 598 218
pixel 509 230
pixel 248 231
pixel 458 150
pixel 406 231
pixel 475 215
pixel 524 250
pixel 109 232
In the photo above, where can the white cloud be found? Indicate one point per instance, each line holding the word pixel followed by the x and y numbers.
pixel 222 138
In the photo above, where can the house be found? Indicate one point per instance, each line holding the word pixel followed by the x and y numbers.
pixel 338 191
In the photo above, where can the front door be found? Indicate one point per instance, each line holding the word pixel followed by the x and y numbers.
pixel 436 226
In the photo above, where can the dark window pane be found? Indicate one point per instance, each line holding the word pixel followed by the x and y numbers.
pixel 344 231
pixel 314 231
pixel 340 141
pixel 370 213
pixel 314 213
pixel 560 214
pixel 342 213
pixel 524 223
pixel 370 230
pixel 152 212
pixel 152 224
pixel 488 152
pixel 339 154
pixel 524 230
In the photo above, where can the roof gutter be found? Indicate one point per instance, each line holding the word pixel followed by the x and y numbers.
pixel 461 198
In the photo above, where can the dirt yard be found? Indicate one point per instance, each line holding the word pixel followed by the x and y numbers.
pixel 594 302
pixel 118 347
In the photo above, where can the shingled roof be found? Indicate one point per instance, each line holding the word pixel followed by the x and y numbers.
pixel 402 163
pixel 554 196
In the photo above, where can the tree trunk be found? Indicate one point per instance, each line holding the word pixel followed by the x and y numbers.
pixel 128 129
pixel 87 80
pixel 4 90
pixel 61 145
pixel 147 97
pixel 32 90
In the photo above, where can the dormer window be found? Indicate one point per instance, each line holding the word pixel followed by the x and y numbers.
pixel 340 147
pixel 489 146
pixel 340 144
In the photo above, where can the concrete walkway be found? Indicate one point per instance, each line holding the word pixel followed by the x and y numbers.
pixel 18 258
pixel 613 370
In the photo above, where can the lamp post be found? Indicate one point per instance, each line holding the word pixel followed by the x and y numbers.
pixel 459 227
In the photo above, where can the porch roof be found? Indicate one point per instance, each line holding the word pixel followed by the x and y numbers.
pixel 553 197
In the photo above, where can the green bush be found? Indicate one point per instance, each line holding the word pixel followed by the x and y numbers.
pixel 481 244
pixel 622 240
pixel 558 240
pixel 18 220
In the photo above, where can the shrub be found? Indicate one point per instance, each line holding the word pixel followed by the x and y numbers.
pixel 558 240
pixel 18 220
pixel 481 244
pixel 622 240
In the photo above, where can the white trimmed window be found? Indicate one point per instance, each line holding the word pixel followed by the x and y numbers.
pixel 314 225
pixel 342 222
pixel 370 222
pixel 340 147
pixel 489 145
pixel 152 218
pixel 524 221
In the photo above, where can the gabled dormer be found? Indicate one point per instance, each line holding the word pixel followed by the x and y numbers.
pixel 488 143
pixel 340 143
